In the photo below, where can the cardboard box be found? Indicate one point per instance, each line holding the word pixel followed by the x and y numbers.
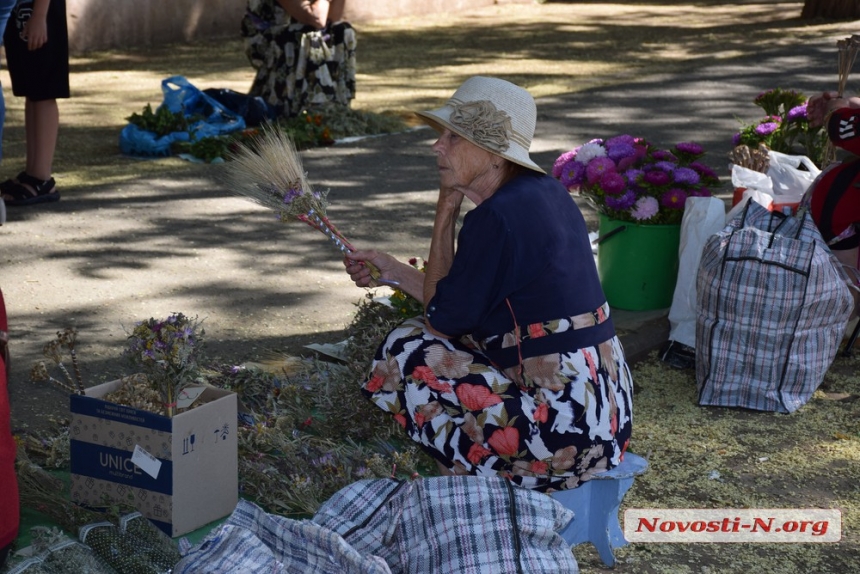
pixel 180 472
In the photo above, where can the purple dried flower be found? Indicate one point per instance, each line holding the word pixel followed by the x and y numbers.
pixel 686 176
pixel 645 208
pixel 674 198
pixel 612 183
pixel 766 128
pixel 291 195
pixel 621 202
pixel 656 177
pixel 597 167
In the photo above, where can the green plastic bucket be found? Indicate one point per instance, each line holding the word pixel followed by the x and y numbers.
pixel 637 264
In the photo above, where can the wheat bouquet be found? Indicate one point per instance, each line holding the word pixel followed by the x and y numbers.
pixel 267 170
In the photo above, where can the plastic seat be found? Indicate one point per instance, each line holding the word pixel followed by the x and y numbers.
pixel 595 505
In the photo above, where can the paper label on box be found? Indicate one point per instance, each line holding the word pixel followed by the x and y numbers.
pixel 146 462
pixel 187 396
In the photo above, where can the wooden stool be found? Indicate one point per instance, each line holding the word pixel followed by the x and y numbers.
pixel 595 505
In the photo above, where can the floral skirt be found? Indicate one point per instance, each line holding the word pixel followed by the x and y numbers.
pixel 548 434
pixel 299 67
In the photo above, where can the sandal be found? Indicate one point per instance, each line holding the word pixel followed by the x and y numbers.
pixel 29 191
pixel 7 185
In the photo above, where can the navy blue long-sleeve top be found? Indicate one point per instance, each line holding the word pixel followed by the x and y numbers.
pixel 527 243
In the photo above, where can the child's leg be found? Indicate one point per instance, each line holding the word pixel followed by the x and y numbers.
pixel 42 125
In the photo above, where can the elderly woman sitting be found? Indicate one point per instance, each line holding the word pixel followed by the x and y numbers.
pixel 303 52
pixel 515 369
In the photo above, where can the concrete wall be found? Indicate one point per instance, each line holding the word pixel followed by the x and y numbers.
pixel 102 24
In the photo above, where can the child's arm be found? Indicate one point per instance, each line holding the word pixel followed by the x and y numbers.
pixel 37 25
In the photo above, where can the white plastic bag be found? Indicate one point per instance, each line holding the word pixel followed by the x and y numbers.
pixel 787 177
pixel 784 183
pixel 703 217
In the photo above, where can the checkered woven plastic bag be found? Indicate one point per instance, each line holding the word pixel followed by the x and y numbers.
pixel 252 541
pixel 462 524
pixel 772 307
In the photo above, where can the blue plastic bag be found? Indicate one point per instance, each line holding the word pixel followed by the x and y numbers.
pixel 180 95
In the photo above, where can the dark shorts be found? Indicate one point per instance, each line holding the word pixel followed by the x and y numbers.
pixel 41 74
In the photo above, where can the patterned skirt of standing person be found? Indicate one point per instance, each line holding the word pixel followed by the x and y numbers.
pixel 548 425
pixel 299 67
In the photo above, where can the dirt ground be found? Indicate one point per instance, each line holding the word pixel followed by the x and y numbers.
pixel 133 239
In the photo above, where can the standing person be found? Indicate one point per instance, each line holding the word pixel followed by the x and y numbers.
pixel 37 52
pixel 5 10
pixel 303 51
pixel 515 368
pixel 9 504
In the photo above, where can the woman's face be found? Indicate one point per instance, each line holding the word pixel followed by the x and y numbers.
pixel 462 165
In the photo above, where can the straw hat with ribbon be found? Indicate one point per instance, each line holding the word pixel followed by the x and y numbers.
pixel 493 114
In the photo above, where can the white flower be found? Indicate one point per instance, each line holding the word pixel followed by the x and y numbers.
pixel 590 151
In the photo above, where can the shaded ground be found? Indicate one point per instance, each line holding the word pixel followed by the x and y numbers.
pixel 134 239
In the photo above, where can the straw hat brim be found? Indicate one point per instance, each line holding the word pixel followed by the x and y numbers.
pixel 438 120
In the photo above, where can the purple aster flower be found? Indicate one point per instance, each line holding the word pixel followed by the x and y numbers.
pixel 633 176
pixel 645 208
pixel 666 166
pixel 559 163
pixel 674 198
pixel 572 174
pixel 612 183
pixel 597 167
pixel 663 155
pixel 703 170
pixel 699 192
pixel 736 139
pixel 620 140
pixel 621 202
pixel 686 176
pixel 766 128
pixel 620 151
pixel 691 148
pixel 796 114
pixel 656 177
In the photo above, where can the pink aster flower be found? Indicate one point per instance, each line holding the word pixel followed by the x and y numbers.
pixel 612 183
pixel 674 198
pixel 656 177
pixel 597 167
pixel 645 208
